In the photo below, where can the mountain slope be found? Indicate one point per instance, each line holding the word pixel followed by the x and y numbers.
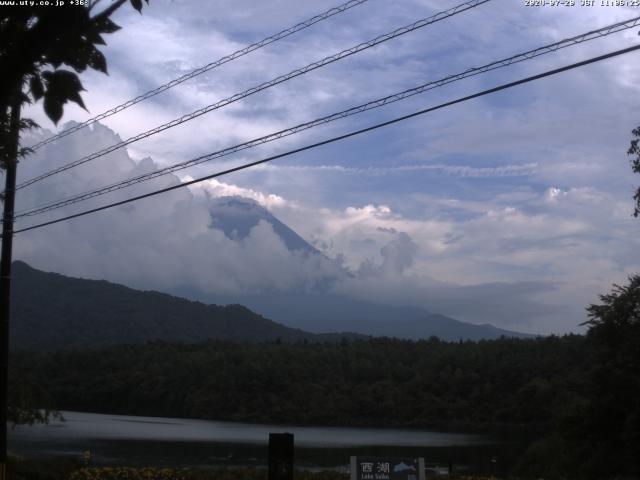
pixel 319 310
pixel 51 311
pixel 236 216
pixel 321 313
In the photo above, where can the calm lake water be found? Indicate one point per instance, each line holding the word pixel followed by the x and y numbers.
pixel 119 439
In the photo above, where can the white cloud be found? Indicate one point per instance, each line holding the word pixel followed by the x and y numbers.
pixel 161 242
pixel 452 170
pixel 547 243
pixel 523 195
pixel 220 189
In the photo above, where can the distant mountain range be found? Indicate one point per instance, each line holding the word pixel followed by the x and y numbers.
pixel 51 311
pixel 319 313
pixel 322 311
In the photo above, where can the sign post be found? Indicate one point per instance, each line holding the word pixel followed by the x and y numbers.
pixel 387 468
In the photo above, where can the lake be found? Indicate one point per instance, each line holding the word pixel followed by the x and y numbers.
pixel 130 440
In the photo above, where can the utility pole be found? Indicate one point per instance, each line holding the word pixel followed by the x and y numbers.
pixel 45 38
pixel 11 167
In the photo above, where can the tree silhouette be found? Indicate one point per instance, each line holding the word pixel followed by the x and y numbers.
pixel 36 43
pixel 613 422
pixel 634 149
pixel 42 50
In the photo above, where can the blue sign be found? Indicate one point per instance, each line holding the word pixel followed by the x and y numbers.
pixel 387 468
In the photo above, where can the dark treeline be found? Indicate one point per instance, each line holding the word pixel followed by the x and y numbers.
pixel 377 382
pixel 575 396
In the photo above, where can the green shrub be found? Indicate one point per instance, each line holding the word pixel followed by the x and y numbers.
pixel 51 469
pixel 127 473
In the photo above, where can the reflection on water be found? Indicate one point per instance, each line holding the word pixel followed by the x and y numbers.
pixel 117 439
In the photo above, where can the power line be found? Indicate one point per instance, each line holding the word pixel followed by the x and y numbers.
pixel 341 137
pixel 205 68
pixel 281 79
pixel 616 27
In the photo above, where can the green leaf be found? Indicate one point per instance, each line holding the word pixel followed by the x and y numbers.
pixel 137 4
pixel 27 124
pixel 53 107
pixel 24 151
pixel 80 57
pixel 35 85
pixel 105 25
pixel 62 86
pixel 96 38
pixel 97 61
pixel 24 98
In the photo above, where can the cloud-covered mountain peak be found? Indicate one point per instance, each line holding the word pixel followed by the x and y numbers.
pixel 236 216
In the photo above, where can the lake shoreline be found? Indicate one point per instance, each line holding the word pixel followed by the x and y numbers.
pixel 171 442
pixel 499 429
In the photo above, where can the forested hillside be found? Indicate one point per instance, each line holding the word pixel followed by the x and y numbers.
pixel 52 311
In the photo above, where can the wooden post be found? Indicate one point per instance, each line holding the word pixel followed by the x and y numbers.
pixel 5 277
pixel 281 456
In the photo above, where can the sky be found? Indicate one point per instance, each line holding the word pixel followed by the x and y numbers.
pixel 513 209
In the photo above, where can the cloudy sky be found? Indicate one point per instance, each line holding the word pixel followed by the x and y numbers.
pixel 513 209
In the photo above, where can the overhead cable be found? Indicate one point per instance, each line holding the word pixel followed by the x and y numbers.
pixel 205 68
pixel 263 86
pixel 609 29
pixel 338 138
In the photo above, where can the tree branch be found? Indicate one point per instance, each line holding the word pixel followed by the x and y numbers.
pixel 106 13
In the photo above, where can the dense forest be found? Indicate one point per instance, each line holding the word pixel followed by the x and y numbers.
pixel 543 387
pixel 377 382
pixel 576 395
pixel 529 386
